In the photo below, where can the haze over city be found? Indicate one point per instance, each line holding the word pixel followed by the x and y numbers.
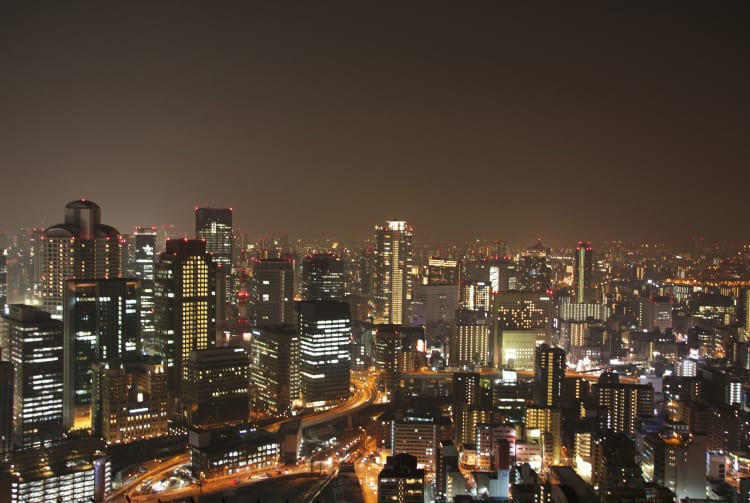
pixel 616 122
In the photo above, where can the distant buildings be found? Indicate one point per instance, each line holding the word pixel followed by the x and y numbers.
pixel 214 226
pixel 583 274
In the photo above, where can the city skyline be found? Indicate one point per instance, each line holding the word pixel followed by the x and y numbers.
pixel 608 123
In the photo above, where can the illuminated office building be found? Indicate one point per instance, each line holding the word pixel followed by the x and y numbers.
pixel 72 471
pixel 323 277
pixel 214 226
pixel 145 267
pixel 523 311
pixel 129 399
pixel 533 272
pixel 393 280
pixel 325 352
pixel 184 306
pixel 275 370
pixel 623 402
pixel 101 322
pixel 216 390
pixel 80 247
pixel 273 292
pixel 400 480
pixel 583 274
pixel 470 339
pixel 36 351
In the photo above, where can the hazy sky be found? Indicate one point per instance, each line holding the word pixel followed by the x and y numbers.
pixel 577 123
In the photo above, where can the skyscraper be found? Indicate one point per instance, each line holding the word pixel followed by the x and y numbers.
pixel 273 292
pixel 549 376
pixel 36 351
pixel 184 305
pixel 325 353
pixel 214 226
pixel 393 281
pixel 583 274
pixel 323 277
pixel 145 265
pixel 101 322
pixel 80 247
pixel 534 274
pixel 274 374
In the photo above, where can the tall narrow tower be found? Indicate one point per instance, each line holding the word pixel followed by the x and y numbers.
pixel 549 376
pixel 393 272
pixel 184 305
pixel 214 226
pixel 585 292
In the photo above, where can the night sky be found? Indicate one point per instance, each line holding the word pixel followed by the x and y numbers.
pixel 622 122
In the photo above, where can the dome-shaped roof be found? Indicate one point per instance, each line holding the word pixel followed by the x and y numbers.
pixel 80 204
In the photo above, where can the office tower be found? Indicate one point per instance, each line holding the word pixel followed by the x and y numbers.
pixel 323 277
pixel 36 351
pixel 274 373
pixel 145 266
pixel 441 271
pixel 400 480
pixel 470 339
pixel 325 353
pixel 214 226
pixel 433 304
pixel 476 296
pixel 416 433
pixel 522 311
pixel 387 348
pixel 583 274
pixel 393 280
pixel 622 403
pixel 129 399
pixel 273 292
pixel 184 306
pixel 655 313
pixel 533 272
pixel 7 376
pixel 549 376
pixel 80 247
pixel 216 389
pixel 469 398
pixel 100 322
pixel 3 280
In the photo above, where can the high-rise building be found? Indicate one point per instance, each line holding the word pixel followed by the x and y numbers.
pixel 622 402
pixel 273 292
pixel 533 272
pixel 3 280
pixel 214 226
pixel 274 374
pixel 36 351
pixel 7 376
pixel 101 322
pixel 145 267
pixel 80 247
pixel 184 306
pixel 400 480
pixel 583 274
pixel 523 311
pixel 129 399
pixel 470 338
pixel 549 376
pixel 323 277
pixel 393 280
pixel 216 390
pixel 325 352
pixel 655 313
